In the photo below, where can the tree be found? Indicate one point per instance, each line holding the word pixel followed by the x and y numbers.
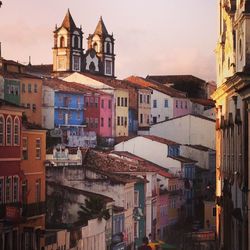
pixel 94 208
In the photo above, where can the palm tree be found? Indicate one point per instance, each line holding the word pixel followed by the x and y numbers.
pixel 94 208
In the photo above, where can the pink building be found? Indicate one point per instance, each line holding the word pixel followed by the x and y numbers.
pixel 181 106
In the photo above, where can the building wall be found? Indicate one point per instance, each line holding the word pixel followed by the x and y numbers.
pixel 188 129
pixel 144 107
pixel 159 157
pixel 160 112
pixel 181 106
pixel 31 98
pixel 48 111
pixel 73 110
pixel 209 215
pixel 1 87
pixel 121 112
pixel 33 165
pixel 106 112
pixel 12 90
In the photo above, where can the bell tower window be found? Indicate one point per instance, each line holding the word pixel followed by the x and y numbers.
pixel 76 63
pixel 108 67
pixel 76 42
pixel 108 48
pixel 95 47
pixel 62 42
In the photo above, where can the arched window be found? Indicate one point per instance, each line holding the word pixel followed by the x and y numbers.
pixel 8 131
pixel 95 47
pixel 62 42
pixel 16 131
pixel 2 130
pixel 108 48
pixel 76 42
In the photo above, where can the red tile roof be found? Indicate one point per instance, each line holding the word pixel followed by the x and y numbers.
pixel 204 102
pixel 156 86
pixel 160 139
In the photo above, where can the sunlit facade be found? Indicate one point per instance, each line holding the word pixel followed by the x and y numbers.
pixel 232 125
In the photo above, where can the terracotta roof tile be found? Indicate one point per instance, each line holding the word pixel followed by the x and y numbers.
pixel 156 86
pixel 160 139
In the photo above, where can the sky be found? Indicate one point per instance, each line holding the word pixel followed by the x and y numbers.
pixel 151 37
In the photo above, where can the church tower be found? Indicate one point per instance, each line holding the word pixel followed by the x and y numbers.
pixel 102 43
pixel 68 47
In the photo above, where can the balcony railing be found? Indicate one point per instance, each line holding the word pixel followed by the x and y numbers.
pixel 33 209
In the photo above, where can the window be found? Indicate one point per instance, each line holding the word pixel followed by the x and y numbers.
pixel 118 101
pixel 166 103
pixel 109 122
pixel 136 197
pixel 76 44
pixel 78 115
pixel 38 148
pixel 70 114
pixel 185 104
pixel 96 122
pixel 140 98
pixel 108 67
pixel 126 102
pixel 125 121
pixel 141 118
pixel 24 191
pixel 60 115
pixel 76 63
pixel 23 87
pixel 181 105
pixel 28 105
pixel 34 107
pixel 1 190
pixel 16 131
pixel 91 101
pixel 66 101
pixel 62 42
pixel 29 88
pixel 87 101
pixel 78 102
pixel 136 229
pixel 109 104
pixel 176 104
pixel 122 103
pixel 122 121
pixel 102 104
pixel 35 88
pixel 8 132
pixel 118 120
pixel 2 126
pixel 102 122
pixel 108 48
pixel 87 122
pixel 38 190
pixel 16 91
pixel 96 102
pixel 214 211
pixel 15 189
pixel 154 103
pixel 8 196
pixel 25 148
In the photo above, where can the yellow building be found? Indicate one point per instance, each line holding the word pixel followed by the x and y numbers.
pixel 232 126
pixel 31 97
pixel 121 112
pixel 33 188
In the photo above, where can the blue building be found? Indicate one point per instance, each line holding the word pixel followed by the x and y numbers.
pixel 139 213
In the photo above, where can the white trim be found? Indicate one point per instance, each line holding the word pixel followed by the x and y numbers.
pixel 2 144
pixel 18 133
pixel 11 142
pixel 15 176
pixel 6 178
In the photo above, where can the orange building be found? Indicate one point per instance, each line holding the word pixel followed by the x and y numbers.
pixel 33 188
pixel 31 97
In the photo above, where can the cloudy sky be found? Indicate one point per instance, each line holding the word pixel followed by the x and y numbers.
pixel 152 37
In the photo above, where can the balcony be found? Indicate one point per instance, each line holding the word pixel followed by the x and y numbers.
pixel 10 211
pixel 33 209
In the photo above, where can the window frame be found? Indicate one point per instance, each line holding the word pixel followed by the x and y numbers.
pixel 25 148
pixel 2 132
pixel 38 149
pixel 9 134
pixel 16 135
pixel 15 199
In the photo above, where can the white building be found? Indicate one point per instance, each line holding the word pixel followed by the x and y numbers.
pixel 188 129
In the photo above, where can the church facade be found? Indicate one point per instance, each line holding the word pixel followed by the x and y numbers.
pixel 69 55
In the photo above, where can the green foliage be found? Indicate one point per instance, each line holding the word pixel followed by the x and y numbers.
pixel 94 208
